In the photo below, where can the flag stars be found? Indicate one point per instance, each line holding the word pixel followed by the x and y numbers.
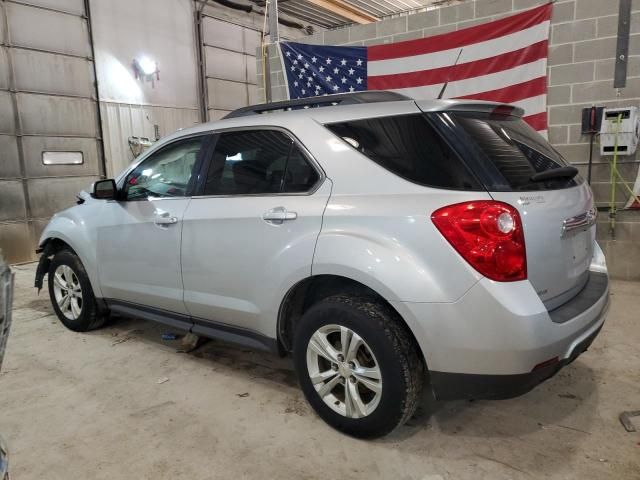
pixel 343 62
pixel 300 76
pixel 359 63
pixel 306 65
pixel 351 71
pixel 288 54
pixel 328 78
pixel 293 68
pixel 295 62
pixel 336 88
pixel 335 70
pixel 329 61
pixel 314 59
pixel 343 80
pixel 299 57
pixel 321 69
pixel 359 80
pixel 351 89
pixel 295 84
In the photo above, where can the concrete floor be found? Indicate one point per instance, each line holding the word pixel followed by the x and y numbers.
pixel 91 406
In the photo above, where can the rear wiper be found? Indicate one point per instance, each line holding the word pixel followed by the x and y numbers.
pixel 560 172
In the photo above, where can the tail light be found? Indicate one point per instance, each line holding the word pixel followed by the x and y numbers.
pixel 488 235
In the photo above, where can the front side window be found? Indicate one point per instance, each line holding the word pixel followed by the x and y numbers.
pixel 258 162
pixel 166 173
pixel 408 146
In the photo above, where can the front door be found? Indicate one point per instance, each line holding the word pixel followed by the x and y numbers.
pixel 251 233
pixel 138 246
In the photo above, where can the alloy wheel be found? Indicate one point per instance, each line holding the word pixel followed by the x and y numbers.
pixel 344 371
pixel 68 292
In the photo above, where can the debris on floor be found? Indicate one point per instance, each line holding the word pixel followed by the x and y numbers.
pixel 625 420
pixel 163 380
pixel 242 395
pixel 121 340
pixel 170 336
pixel 191 341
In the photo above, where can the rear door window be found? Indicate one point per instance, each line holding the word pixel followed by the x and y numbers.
pixel 514 149
pixel 258 162
pixel 408 146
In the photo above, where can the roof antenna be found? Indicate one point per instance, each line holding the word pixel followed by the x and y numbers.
pixel 444 87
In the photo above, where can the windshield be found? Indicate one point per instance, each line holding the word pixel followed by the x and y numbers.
pixel 515 149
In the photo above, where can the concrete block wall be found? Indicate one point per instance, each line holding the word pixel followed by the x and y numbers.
pixel 581 62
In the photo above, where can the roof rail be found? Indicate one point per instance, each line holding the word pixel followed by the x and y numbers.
pixel 373 96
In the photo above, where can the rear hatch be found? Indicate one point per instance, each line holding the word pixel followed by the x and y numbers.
pixel 557 213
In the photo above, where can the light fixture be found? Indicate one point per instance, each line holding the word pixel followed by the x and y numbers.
pixel 146 69
pixel 147 66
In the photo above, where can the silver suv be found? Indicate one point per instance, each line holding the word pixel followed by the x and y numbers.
pixel 382 241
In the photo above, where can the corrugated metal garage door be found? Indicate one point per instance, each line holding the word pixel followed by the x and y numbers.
pixel 229 53
pixel 47 104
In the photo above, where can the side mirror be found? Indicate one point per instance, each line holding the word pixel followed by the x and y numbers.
pixel 104 189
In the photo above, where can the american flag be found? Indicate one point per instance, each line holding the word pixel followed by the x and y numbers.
pixel 503 61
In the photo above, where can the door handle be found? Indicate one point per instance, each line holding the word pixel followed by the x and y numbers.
pixel 165 219
pixel 279 215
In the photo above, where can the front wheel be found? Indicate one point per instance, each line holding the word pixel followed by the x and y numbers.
pixel 359 367
pixel 71 293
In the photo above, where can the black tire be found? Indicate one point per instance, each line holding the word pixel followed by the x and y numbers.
pixel 398 357
pixel 90 316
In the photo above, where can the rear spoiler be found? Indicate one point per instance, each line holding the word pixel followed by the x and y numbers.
pixel 469 106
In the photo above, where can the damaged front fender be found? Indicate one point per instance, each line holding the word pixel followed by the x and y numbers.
pixel 47 250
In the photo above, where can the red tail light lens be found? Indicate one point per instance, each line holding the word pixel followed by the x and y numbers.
pixel 488 235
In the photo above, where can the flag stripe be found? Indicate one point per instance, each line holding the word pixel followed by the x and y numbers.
pixel 512 93
pixel 460 72
pixel 477 51
pixel 532 105
pixel 461 38
pixel 537 121
pixel 485 83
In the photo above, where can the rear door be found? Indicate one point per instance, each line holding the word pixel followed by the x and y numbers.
pixel 251 232
pixel 558 214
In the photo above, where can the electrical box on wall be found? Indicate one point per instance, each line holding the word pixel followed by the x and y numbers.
pixel 627 131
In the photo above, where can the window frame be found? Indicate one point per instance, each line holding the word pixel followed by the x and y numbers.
pixel 204 154
pixel 207 164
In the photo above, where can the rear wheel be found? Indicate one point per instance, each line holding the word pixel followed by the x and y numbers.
pixel 71 293
pixel 358 366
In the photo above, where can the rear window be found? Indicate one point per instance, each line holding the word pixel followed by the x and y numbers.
pixel 515 149
pixel 408 146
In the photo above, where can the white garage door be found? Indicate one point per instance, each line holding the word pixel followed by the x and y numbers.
pixel 49 140
pixel 229 53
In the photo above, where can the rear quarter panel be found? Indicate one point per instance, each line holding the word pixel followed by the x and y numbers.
pixel 389 243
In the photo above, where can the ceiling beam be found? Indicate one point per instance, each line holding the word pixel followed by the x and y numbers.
pixel 344 9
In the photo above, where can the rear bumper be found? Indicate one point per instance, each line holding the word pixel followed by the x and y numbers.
pixel 492 341
pixel 456 386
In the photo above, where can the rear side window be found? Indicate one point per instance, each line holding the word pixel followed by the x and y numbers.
pixel 514 149
pixel 408 146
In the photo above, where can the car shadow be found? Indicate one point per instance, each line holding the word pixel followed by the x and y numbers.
pixel 254 364
pixel 566 402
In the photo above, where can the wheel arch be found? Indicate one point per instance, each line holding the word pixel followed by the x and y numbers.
pixel 308 291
